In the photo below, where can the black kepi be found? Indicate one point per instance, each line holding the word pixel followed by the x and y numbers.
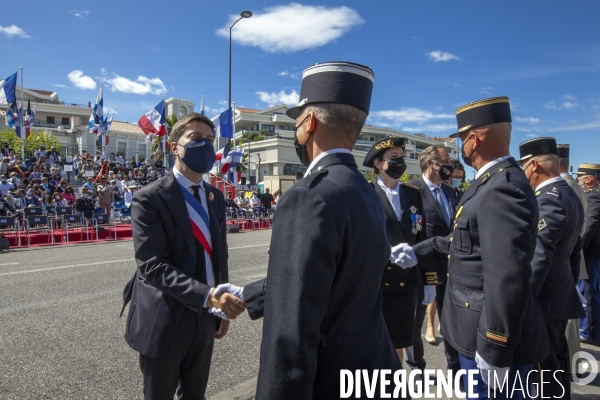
pixel 482 112
pixel 537 147
pixel 387 142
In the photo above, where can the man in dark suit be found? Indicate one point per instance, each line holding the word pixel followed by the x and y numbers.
pixel 439 205
pixel 588 176
pixel 322 310
pixel 560 221
pixel 491 315
pixel 181 251
pixel 266 199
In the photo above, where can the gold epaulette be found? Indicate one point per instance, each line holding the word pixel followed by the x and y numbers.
pixel 410 186
pixel 431 278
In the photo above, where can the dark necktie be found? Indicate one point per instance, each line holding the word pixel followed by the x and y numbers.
pixel 200 273
pixel 440 203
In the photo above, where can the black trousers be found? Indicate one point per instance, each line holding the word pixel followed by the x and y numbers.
pixel 415 353
pixel 557 365
pixel 452 360
pixel 184 366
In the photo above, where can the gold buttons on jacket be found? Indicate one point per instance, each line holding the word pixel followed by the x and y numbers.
pixel 448 274
pixel 401 283
pixel 389 267
pixel 467 304
pixel 386 284
pixel 451 239
pixel 448 256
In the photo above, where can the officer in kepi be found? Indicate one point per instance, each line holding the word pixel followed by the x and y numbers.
pixel 491 316
pixel 588 176
pixel 403 288
pixel 560 221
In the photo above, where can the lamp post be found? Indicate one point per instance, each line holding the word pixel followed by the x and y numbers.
pixel 243 14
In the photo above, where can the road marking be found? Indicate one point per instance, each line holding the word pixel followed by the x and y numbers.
pixel 247 247
pixel 65 266
pixel 15 263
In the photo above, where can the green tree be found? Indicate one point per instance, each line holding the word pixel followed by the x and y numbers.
pixel 41 138
pixel 8 135
pixel 249 135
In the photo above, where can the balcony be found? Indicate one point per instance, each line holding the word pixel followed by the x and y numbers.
pixel 40 124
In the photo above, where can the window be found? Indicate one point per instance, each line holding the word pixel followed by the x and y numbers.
pixel 182 111
pixel 66 121
pixel 50 120
pixel 282 127
pixel 265 127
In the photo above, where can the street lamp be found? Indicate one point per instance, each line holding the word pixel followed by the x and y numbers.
pixel 243 14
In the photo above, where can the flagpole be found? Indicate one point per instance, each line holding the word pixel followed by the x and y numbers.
pixel 21 118
pixel 233 138
pixel 100 133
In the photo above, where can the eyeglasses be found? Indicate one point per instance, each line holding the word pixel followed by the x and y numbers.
pixel 303 121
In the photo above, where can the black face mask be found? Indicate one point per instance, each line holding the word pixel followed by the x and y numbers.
pixel 301 152
pixel 445 171
pixel 396 167
pixel 466 160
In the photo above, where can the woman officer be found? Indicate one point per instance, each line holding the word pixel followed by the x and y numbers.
pixel 403 209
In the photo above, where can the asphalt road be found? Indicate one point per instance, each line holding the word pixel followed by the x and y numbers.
pixel 61 337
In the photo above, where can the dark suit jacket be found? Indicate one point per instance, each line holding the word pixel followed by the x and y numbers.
pixel 591 235
pixel 561 219
pixel 436 224
pixel 322 312
pixel 165 252
pixel 489 305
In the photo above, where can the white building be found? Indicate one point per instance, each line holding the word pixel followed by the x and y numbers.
pixel 276 155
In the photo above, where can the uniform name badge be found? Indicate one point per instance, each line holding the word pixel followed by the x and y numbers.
pixel 416 219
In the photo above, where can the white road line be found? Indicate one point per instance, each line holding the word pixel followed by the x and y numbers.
pixel 15 263
pixel 247 247
pixel 65 266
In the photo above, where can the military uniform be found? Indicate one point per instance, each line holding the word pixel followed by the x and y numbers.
pixel 591 253
pixel 489 307
pixel 560 221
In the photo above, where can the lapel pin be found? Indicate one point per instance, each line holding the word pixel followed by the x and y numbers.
pixel 211 196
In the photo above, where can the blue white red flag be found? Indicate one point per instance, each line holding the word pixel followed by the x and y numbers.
pixel 8 88
pixel 97 119
pixel 222 158
pixel 153 122
pixel 17 123
pixel 224 124
pixel 12 115
pixel 29 118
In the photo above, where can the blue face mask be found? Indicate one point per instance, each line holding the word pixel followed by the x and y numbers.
pixel 199 155
pixel 456 182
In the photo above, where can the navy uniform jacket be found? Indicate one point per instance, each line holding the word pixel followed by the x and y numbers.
pixel 591 235
pixel 436 224
pixel 561 219
pixel 489 307
pixel 322 311
pixel 165 253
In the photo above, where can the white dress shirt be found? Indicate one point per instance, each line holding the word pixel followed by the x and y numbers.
pixel 323 154
pixel 393 196
pixel 445 201
pixel 187 184
pixel 490 165
pixel 549 182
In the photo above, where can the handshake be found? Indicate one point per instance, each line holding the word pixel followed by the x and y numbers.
pixel 403 256
pixel 226 301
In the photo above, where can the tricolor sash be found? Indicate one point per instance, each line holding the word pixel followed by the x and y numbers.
pixel 199 220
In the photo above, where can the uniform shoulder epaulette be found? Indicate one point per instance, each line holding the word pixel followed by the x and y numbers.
pixel 410 185
pixel 553 192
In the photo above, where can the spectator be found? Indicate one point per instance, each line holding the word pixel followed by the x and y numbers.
pixel 53 156
pixel 112 158
pixel 5 185
pixel 105 194
pixel 38 191
pixel 266 200
pixel 5 150
pixel 151 161
pixel 55 182
pixel 14 179
pixel 10 199
pixel 45 199
pixel 40 153
pixel 45 185
pixel 119 159
pixel 4 166
pixel 19 199
pixel 89 185
pixel 129 194
pixel 69 196
pixel 31 200
pixel 5 207
pixel 240 200
pixel 85 204
pixel 58 201
pixel 255 200
pixel 278 194
pixel 158 164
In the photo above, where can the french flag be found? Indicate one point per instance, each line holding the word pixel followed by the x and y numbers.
pixel 153 122
pixel 222 158
pixel 8 88
pixel 224 124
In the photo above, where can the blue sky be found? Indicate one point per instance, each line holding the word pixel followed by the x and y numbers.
pixel 429 57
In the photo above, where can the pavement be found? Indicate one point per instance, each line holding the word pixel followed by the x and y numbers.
pixel 61 336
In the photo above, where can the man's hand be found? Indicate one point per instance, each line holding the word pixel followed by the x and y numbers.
pixel 223 328
pixel 428 294
pixel 226 302
pixel 403 255
pixel 234 290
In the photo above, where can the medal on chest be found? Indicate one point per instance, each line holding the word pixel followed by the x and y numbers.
pixel 416 220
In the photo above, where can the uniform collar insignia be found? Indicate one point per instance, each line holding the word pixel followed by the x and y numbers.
pixel 485 177
pixel 542 224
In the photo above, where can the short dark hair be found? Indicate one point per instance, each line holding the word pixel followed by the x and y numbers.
pixel 180 126
pixel 563 163
pixel 456 165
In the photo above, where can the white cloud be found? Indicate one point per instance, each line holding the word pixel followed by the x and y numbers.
pixel 457 85
pixel 569 105
pixel 412 119
pixel 110 110
pixel 415 38
pixel 81 81
pixel 273 98
pixel 568 97
pixel 551 105
pixel 437 56
pixel 532 135
pixel 484 90
pixel 142 85
pixel 528 120
pixel 13 30
pixel 222 102
pixel 293 27
pixel 296 76
pixel 83 14
pixel 283 73
pixel 60 86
